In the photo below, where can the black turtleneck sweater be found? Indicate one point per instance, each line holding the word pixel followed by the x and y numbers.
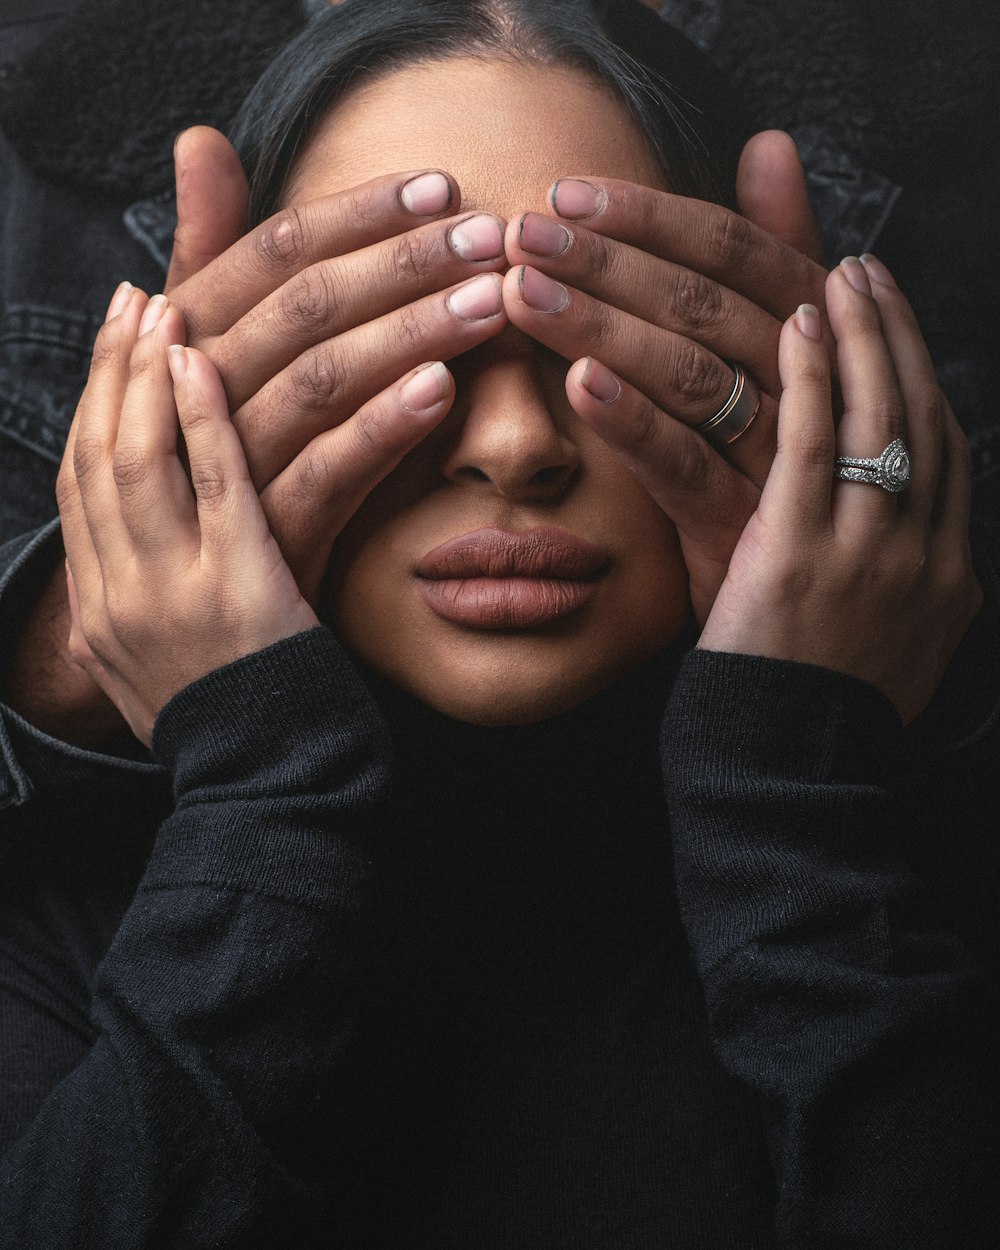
pixel 490 988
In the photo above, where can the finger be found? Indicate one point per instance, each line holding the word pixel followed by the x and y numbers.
pixel 771 192
pixel 309 504
pixel 874 413
pixel 926 408
pixel 657 291
pixel 679 375
pixel 211 201
pixel 330 382
pixel 230 518
pixel 799 487
pixel 297 237
pixel 335 295
pixel 705 238
pixel 707 499
pixel 90 457
pixel 153 490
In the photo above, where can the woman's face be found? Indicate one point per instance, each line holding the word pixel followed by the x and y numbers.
pixel 512 458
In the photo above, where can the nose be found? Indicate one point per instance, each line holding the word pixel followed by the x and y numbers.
pixel 509 442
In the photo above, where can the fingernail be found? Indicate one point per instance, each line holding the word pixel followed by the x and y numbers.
pixel 177 360
pixel 155 309
pixel 807 318
pixel 477 238
pixel 875 269
pixel 574 198
pixel 855 274
pixel 120 299
pixel 542 236
pixel 475 300
pixel 425 388
pixel 601 382
pixel 540 292
pixel 426 194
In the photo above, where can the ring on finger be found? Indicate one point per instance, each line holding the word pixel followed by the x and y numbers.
pixel 890 471
pixel 738 412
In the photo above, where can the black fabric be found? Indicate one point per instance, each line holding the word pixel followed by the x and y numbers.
pixel 490 988
pixel 97 103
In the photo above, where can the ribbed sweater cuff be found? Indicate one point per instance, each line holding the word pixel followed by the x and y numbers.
pixel 277 760
pixel 750 716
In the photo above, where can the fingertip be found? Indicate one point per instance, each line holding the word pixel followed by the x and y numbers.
pixel 427 388
pixel 806 319
pixel 802 355
pixel 429 194
pixel 153 312
pixel 877 271
pixel 177 359
pixel 599 381
pixel 119 301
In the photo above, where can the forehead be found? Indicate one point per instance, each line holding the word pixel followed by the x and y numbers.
pixel 505 129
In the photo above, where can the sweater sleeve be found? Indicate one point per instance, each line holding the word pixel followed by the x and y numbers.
pixel 833 989
pixel 223 1009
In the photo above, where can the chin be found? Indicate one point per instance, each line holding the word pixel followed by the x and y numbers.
pixel 504 691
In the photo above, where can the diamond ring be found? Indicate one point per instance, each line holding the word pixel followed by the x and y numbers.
pixel 891 470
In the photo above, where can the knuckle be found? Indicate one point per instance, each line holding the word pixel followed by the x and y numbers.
pixel 816 447
pixel 731 240
pixel 701 380
pixel 414 256
pixel 106 348
pixel 814 376
pixel 308 302
pixel 130 467
pixel 604 259
pixel 209 482
pixel 316 381
pixel 693 464
pixel 370 432
pixel 411 324
pixel 88 454
pixel 887 414
pixel 140 361
pixel 281 240
pixel 697 300
pixel 66 489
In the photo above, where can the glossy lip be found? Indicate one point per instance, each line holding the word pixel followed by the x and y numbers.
pixel 498 579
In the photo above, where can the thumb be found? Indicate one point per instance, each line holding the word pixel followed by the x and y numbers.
pixel 211 201
pixel 771 192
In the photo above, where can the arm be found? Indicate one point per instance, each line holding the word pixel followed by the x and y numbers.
pixel 837 985
pixel 206 1106
pixel 833 985
pixel 356 292
pixel 253 307
pixel 207 1098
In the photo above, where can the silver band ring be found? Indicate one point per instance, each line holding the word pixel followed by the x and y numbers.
pixel 891 470
pixel 736 415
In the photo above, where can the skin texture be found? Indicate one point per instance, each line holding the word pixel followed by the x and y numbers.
pixel 512 454
pixel 248 301
pixel 259 313
pixel 876 586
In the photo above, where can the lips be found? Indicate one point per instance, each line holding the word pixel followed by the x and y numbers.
pixel 497 579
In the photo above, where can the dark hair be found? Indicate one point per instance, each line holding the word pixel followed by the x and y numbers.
pixel 679 100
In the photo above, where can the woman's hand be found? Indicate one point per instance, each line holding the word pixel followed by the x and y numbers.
pixel 844 574
pixel 664 291
pixel 173 574
pixel 319 309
